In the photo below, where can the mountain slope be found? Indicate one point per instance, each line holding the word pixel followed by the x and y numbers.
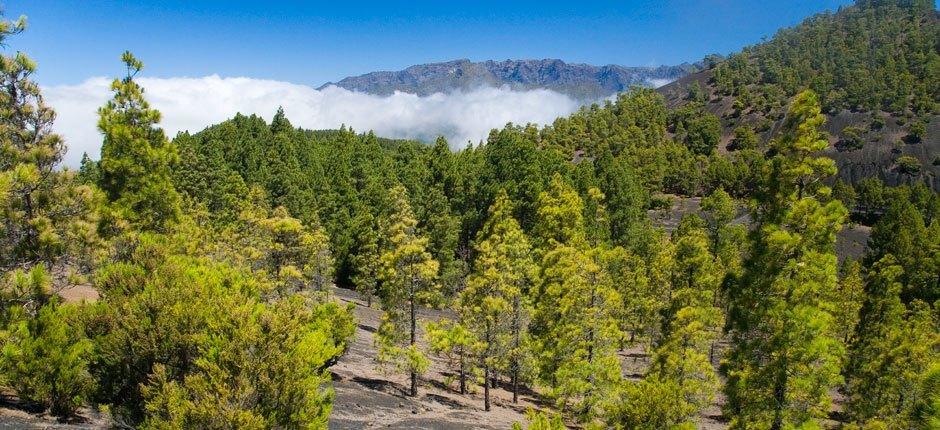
pixel 876 68
pixel 580 81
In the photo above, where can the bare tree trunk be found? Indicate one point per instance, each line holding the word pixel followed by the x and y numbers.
pixel 486 371
pixel 463 379
pixel 515 357
pixel 414 326
pixel 463 372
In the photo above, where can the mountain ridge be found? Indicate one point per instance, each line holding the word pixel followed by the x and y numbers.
pixel 581 81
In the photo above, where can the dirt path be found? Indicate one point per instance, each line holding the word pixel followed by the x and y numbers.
pixel 367 398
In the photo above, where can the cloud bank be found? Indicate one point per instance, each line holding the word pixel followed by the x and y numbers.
pixel 195 103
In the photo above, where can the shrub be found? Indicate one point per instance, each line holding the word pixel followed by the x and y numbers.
pixel 744 138
pixel 45 359
pixel 908 165
pixel 918 131
pixel 182 350
pixel 852 138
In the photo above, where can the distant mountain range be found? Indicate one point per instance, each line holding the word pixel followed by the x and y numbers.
pixel 583 82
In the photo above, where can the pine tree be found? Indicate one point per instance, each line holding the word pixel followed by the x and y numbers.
pixel 892 350
pixel 366 261
pixel 691 324
pixel 45 359
pixel 46 215
pixel 560 216
pixel 576 306
pixel 457 345
pixel 492 305
pixel 408 280
pixel 640 305
pixel 848 299
pixel 786 357
pixel 136 156
pixel 296 256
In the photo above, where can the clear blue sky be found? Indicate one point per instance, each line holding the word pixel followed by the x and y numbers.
pixel 311 43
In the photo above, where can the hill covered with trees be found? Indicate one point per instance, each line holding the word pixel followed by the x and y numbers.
pixel 876 68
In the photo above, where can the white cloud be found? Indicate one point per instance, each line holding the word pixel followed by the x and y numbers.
pixel 195 103
pixel 656 83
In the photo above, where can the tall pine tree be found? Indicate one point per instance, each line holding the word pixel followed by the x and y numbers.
pixel 408 280
pixel 493 305
pixel 786 357
pixel 136 156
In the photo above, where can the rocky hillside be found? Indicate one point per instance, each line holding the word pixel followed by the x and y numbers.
pixel 876 68
pixel 580 81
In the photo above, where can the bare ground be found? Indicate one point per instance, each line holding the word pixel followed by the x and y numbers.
pixel 369 398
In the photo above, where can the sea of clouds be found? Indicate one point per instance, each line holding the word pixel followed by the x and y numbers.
pixel 194 103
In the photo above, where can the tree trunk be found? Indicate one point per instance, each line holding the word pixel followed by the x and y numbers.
pixel 515 354
pixel 414 326
pixel 463 372
pixel 486 371
pixel 463 380
pixel 780 393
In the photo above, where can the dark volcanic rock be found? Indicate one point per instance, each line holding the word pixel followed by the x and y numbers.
pixel 877 158
pixel 580 81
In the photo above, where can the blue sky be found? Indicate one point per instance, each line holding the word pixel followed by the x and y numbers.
pixel 310 43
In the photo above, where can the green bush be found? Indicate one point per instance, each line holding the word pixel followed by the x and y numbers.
pixel 908 165
pixel 182 351
pixel 918 131
pixel 852 138
pixel 45 359
pixel 744 138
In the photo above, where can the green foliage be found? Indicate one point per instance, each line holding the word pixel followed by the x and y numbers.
pixel 852 138
pixel 927 410
pixel 540 420
pixel 902 232
pixel 696 93
pixel 575 328
pixel 845 193
pixel 697 129
pixel 180 350
pixel 457 346
pixel 850 58
pixel 136 157
pixel 46 215
pixel 649 404
pixel 918 131
pixel 691 324
pixel 848 299
pixel 493 306
pixel 891 352
pixel 288 387
pixel 45 358
pixel 797 170
pixel 785 359
pixel 237 233
pixel 408 279
pixel 744 138
pixel 367 261
pixel 908 165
